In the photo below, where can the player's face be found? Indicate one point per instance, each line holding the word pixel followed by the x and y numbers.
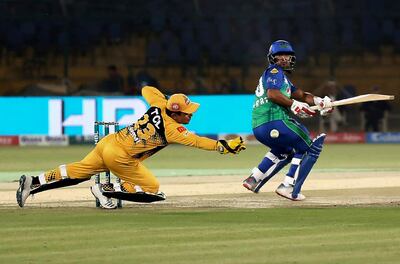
pixel 283 60
pixel 182 118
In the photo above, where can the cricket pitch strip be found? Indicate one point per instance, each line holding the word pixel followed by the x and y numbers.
pixel 325 189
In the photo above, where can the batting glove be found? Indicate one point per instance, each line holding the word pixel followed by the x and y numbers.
pixel 324 105
pixel 233 146
pixel 301 109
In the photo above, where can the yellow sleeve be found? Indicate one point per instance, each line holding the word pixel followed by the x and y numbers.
pixel 177 133
pixel 153 96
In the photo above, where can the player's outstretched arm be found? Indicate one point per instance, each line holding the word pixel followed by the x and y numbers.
pixel 180 135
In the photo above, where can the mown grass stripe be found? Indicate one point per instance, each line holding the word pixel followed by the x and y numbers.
pixel 334 235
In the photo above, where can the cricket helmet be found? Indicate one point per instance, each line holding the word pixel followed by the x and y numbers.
pixel 280 47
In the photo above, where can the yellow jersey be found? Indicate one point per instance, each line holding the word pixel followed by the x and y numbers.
pixel 155 130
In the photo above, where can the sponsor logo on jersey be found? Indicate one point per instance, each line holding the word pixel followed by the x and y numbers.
pixel 274 71
pixel 260 101
pixel 271 80
pixel 181 129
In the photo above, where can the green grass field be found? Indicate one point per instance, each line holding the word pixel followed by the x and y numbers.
pixel 311 235
pixel 348 156
pixel 343 234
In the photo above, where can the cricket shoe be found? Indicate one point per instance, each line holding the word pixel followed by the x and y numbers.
pixel 24 189
pixel 286 192
pixel 250 184
pixel 106 203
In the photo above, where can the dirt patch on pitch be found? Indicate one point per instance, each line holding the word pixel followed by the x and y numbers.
pixel 321 189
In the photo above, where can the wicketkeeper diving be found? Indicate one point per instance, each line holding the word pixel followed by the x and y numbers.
pixel 288 140
pixel 122 153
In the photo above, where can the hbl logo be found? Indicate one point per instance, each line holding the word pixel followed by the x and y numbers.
pixel 66 113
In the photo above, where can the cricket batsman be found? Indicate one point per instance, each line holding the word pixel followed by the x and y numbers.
pixel 276 98
pixel 122 153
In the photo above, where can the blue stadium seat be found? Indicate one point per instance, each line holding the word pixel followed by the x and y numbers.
pixel 223 29
pixel 282 29
pixel 263 31
pixel 94 31
pixel 114 32
pixel 43 41
pixel 327 30
pixel 14 38
pixel 28 30
pixel 256 53
pixel 301 51
pixel 397 40
pixel 236 52
pixel 61 40
pixel 157 15
pixel 216 53
pixel 80 38
pixel 204 34
pixel 347 33
pixel 187 36
pixel 192 54
pixel 154 51
pixel 173 52
pixel 388 30
pixel 371 32
pixel 166 37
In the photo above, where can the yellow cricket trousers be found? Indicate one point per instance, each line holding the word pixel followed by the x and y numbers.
pixel 112 155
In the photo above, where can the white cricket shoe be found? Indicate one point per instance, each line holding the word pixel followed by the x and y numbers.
pixel 24 189
pixel 106 203
pixel 286 192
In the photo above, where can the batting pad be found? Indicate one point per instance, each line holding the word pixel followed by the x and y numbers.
pixel 57 184
pixel 139 197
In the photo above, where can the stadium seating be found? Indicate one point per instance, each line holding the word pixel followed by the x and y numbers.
pixel 199 34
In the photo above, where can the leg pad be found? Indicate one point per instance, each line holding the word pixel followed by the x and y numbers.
pixel 57 184
pixel 308 162
pixel 139 197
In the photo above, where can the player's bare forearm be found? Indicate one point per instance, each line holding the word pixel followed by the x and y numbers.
pixel 277 97
pixel 302 96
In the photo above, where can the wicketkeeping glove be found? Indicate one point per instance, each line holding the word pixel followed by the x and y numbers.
pixel 233 146
pixel 324 105
pixel 301 109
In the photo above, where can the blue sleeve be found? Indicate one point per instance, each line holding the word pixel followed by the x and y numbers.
pixel 272 78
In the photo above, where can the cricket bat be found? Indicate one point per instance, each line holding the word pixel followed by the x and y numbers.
pixel 359 99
